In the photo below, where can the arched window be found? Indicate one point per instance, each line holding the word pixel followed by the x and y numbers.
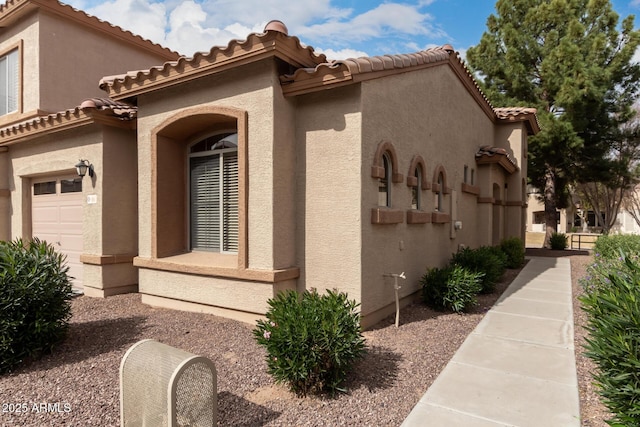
pixel 416 190
pixel 213 193
pixel 384 182
pixel 439 200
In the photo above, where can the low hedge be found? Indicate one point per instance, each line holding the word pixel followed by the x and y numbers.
pixel 35 294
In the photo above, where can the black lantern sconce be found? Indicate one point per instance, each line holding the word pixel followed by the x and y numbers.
pixel 82 167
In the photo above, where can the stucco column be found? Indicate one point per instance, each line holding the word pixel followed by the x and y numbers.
pixel 5 196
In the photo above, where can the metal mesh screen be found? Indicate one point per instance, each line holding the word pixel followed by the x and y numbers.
pixel 195 405
pixel 146 373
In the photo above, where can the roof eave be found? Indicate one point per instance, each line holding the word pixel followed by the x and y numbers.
pixel 13 10
pixel 257 47
pixel 500 160
pixel 63 121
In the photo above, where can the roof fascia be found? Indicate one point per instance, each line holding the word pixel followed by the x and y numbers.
pixel 60 122
pixel 328 78
pixel 256 48
pixel 15 9
pixel 500 160
pixel 528 120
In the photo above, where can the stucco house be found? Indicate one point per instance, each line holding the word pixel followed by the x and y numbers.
pixel 262 166
pixel 51 58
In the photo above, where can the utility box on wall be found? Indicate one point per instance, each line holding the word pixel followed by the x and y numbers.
pixel 164 386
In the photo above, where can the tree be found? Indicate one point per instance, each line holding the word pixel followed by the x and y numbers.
pixel 567 59
pixel 607 197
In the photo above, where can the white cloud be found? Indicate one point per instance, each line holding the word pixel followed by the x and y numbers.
pixel 340 54
pixel 188 26
pixel 385 20
pixel 141 17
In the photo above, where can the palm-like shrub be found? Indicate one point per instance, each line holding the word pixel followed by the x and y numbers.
pixel 513 248
pixel 311 340
pixel 558 241
pixel 612 303
pixel 35 295
pixel 490 261
pixel 451 288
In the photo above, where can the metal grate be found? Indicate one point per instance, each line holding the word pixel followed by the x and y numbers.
pixel 165 386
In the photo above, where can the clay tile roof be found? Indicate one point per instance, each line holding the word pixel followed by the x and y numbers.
pixel 116 112
pixel 256 45
pixel 371 64
pixel 488 154
pixel 11 10
pixel 513 112
pixel 519 114
pixel 115 108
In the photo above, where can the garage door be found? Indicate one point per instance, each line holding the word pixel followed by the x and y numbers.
pixel 57 218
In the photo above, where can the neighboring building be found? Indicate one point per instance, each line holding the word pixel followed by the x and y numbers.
pixel 51 58
pixel 261 166
pixel 573 219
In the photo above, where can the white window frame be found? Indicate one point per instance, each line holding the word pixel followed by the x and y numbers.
pixel 228 232
pixel 417 190
pixel 385 181
pixel 9 82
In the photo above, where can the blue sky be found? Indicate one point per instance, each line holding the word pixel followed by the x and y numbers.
pixel 338 28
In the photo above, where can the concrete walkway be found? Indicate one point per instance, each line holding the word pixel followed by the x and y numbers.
pixel 517 368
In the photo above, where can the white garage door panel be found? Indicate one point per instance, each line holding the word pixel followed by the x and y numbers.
pixel 57 219
pixel 69 212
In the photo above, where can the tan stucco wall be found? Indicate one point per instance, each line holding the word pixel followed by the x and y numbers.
pixel 119 175
pixel 109 225
pixel 428 113
pixel 328 129
pixel 69 51
pixel 5 201
pixel 248 89
pixel 271 180
pixel 63 61
pixel 24 34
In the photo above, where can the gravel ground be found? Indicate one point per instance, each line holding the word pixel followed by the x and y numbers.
pixel 80 383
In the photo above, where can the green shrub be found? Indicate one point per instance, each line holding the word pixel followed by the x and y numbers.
pixel 35 295
pixel 311 340
pixel 610 246
pixel 612 303
pixel 513 248
pixel 558 241
pixel 451 288
pixel 490 261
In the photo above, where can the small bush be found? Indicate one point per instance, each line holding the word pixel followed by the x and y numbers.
pixel 513 248
pixel 312 341
pixel 490 261
pixel 611 246
pixel 35 295
pixel 612 303
pixel 451 288
pixel 558 241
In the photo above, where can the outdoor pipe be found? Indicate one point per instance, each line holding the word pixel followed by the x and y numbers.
pixel 396 287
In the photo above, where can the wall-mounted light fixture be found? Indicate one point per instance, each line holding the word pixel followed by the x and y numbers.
pixel 82 167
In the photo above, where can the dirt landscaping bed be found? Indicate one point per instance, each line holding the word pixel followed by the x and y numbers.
pixel 81 376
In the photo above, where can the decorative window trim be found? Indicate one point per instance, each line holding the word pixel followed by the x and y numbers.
pixel 382 215
pixel 435 186
pixel 418 217
pixel 241 118
pixel 440 218
pixel 411 179
pixel 471 189
pixel 18 47
pixel 377 170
